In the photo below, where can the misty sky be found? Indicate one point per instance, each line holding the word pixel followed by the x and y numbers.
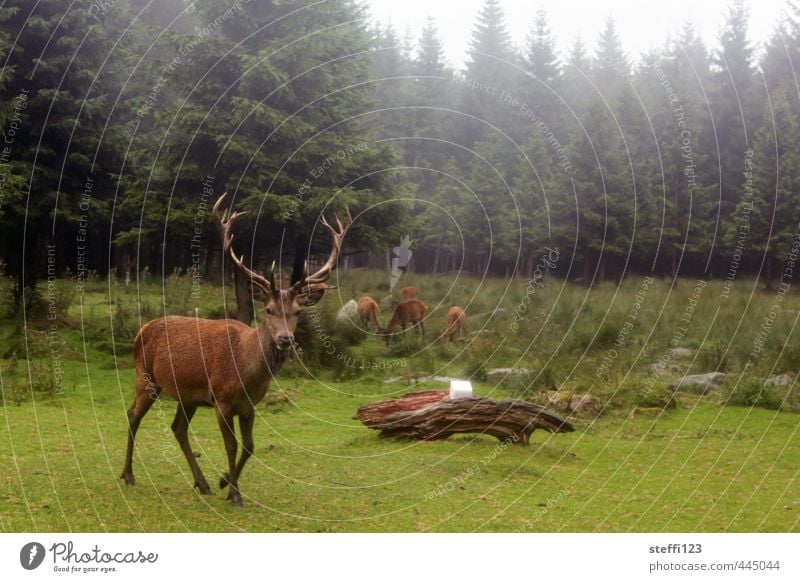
pixel 642 24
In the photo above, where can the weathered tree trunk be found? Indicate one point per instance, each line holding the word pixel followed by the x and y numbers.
pixel 432 415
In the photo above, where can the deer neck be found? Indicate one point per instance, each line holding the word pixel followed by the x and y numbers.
pixel 270 358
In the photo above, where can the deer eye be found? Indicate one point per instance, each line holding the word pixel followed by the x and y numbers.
pixel 270 311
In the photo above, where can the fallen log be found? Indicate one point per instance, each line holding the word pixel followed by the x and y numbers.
pixel 432 415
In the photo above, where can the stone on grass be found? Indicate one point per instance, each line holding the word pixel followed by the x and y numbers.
pixel 699 383
pixel 780 380
pixel 581 405
pixel 500 374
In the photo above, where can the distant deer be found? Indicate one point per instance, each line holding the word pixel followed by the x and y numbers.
pixel 222 363
pixel 412 311
pixel 368 311
pixel 407 293
pixel 455 322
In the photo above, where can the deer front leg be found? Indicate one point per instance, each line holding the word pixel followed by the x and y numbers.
pixel 180 428
pixel 225 421
pixel 141 404
pixel 246 422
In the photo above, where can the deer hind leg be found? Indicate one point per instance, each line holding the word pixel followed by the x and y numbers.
pixel 146 394
pixel 246 422
pixel 225 421
pixel 180 428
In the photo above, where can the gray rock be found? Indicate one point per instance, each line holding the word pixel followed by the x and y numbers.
pixel 582 405
pixel 699 383
pixel 499 312
pixel 680 353
pixel 781 380
pixel 499 374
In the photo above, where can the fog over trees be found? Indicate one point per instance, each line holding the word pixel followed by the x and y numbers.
pixel 123 122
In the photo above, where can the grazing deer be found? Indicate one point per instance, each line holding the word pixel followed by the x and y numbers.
pixel 368 311
pixel 455 322
pixel 407 293
pixel 222 363
pixel 412 311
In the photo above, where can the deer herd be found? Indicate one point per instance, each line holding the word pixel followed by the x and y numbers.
pixel 228 365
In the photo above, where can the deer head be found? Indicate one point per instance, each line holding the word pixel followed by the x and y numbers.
pixel 282 306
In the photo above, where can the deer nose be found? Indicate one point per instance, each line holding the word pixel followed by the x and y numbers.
pixel 285 340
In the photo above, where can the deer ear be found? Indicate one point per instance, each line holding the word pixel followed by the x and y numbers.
pixel 311 294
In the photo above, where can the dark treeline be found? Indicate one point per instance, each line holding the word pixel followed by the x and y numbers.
pixel 123 122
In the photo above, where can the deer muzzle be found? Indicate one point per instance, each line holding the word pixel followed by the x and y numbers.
pixel 284 341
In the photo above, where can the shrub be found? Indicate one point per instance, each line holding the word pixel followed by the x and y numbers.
pixel 754 392
pixel 713 357
pixel 325 342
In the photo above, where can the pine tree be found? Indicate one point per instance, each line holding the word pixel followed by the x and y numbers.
pixel 430 55
pixel 769 210
pixel 490 43
pixel 540 54
pixel 489 72
pixel 57 93
pixel 732 105
pixel 610 67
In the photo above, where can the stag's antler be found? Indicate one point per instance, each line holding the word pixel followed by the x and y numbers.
pixel 313 282
pixel 224 223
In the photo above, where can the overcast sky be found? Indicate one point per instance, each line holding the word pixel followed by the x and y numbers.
pixel 642 24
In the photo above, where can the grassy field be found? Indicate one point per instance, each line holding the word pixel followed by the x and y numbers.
pixel 727 461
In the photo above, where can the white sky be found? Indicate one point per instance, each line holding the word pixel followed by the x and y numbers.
pixel 641 25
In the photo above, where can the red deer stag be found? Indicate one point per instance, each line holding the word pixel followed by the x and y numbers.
pixel 407 293
pixel 222 363
pixel 412 311
pixel 455 322
pixel 368 311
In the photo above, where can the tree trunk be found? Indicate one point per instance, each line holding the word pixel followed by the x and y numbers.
pixel 678 229
pixel 301 250
pixel 27 265
pixel 674 268
pixel 587 269
pixel 436 256
pixel 432 415
pixel 770 277
pixel 244 298
pixel 530 265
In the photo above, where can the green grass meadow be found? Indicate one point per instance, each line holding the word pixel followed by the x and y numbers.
pixel 655 460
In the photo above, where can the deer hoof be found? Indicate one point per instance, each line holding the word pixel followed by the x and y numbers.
pixel 236 500
pixel 203 487
pixel 129 480
pixel 224 480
